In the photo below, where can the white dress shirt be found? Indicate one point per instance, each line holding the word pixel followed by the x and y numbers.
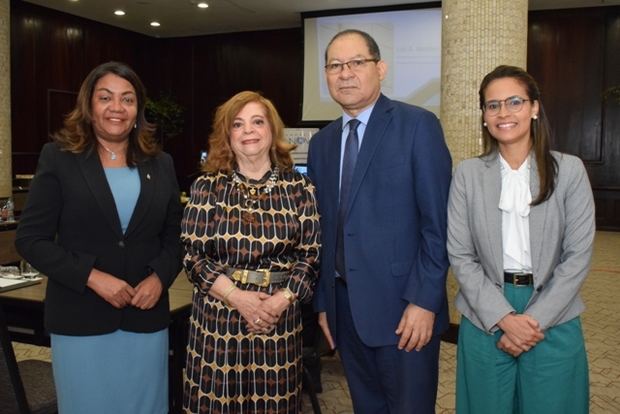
pixel 363 117
pixel 514 202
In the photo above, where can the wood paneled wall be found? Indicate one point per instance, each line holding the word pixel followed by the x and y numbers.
pixel 203 72
pixel 51 53
pixel 572 53
pixel 575 56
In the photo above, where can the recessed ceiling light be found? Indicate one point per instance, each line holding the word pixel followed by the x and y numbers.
pixel 155 24
pixel 202 5
pixel 119 12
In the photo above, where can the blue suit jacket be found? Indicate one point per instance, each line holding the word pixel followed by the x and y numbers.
pixel 395 229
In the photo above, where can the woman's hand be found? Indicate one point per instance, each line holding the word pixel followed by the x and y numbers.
pixel 508 346
pixel 275 305
pixel 324 325
pixel 250 305
pixel 148 292
pixel 113 290
pixel 522 331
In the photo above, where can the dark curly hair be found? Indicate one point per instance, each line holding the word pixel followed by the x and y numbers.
pixel 77 134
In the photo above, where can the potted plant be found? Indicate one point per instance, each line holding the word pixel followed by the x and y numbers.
pixel 612 94
pixel 167 114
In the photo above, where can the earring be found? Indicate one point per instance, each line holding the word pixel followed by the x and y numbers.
pixel 534 117
pixel 484 124
pixel 135 126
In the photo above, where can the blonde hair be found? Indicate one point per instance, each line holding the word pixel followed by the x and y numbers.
pixel 221 156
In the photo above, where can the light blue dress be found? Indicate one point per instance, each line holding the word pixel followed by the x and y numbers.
pixel 120 372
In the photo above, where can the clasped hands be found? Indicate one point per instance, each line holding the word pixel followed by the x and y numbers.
pixel 521 333
pixel 119 293
pixel 260 310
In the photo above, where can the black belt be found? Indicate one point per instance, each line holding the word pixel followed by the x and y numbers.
pixel 519 279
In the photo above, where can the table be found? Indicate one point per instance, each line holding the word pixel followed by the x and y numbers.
pixel 24 312
pixel 8 253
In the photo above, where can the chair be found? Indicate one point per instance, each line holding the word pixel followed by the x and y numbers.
pixel 311 359
pixel 26 387
pixel 309 380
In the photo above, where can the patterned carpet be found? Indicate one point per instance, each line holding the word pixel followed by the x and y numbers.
pixel 601 323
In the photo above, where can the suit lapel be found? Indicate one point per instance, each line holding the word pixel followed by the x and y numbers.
pixel 537 217
pixel 98 184
pixel 492 187
pixel 333 166
pixel 375 131
pixel 148 179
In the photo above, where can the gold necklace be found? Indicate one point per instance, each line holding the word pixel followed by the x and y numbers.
pixel 250 195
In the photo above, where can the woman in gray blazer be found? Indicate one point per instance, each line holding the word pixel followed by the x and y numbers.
pixel 520 234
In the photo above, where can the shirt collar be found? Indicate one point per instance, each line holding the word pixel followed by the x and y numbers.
pixel 363 116
pixel 522 171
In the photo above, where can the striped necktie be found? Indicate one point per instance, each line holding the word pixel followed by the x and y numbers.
pixel 349 159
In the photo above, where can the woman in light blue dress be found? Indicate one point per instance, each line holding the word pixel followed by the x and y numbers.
pixel 102 221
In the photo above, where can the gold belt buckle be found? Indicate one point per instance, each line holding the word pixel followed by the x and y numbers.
pixel 241 275
pixel 266 277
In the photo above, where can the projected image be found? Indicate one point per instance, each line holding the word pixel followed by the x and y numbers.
pixel 410 44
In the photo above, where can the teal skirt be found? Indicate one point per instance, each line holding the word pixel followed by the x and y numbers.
pixel 121 372
pixel 551 378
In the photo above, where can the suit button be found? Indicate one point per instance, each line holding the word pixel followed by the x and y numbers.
pixel 121 243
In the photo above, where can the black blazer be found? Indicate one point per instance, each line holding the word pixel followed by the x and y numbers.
pixel 70 225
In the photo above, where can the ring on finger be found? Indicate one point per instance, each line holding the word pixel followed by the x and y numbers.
pixel 257 321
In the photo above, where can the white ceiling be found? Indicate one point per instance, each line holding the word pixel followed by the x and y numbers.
pixel 182 17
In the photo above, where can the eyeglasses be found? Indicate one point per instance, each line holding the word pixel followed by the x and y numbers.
pixel 513 104
pixel 354 64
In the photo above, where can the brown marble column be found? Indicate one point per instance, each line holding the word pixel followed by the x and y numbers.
pixel 477 36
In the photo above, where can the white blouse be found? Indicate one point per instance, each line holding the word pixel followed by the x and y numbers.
pixel 514 202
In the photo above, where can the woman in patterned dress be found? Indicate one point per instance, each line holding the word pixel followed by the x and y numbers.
pixel 251 237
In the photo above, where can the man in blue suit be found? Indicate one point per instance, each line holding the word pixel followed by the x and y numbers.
pixel 382 173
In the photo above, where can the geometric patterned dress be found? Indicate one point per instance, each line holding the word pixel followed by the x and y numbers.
pixel 228 369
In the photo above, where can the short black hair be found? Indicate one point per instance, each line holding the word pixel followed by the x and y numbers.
pixel 373 48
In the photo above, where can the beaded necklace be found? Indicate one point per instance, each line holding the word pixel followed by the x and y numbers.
pixel 250 194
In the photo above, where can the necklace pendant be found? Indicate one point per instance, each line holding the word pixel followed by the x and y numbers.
pixel 113 156
pixel 247 217
pixel 252 191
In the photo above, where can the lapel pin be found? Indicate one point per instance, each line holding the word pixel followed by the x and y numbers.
pixel 148 176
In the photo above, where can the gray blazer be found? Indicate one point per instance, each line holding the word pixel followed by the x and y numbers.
pixel 561 237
